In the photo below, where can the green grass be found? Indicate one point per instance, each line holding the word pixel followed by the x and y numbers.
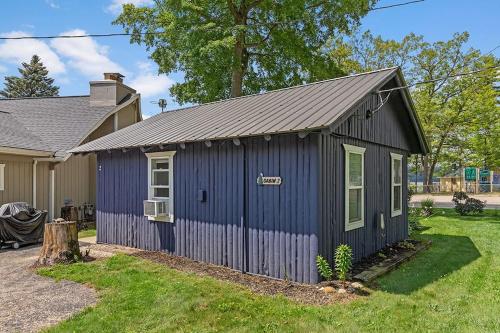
pixel 86 233
pixel 452 287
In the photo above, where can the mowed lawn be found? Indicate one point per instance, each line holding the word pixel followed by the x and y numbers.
pixel 452 287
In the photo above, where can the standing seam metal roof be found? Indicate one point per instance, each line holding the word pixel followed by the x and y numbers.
pixel 294 109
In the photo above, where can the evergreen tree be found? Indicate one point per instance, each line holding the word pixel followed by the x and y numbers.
pixel 34 81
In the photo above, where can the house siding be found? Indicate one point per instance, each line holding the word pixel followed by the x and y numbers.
pixel 18 178
pixel 370 238
pixel 282 224
pixel 383 133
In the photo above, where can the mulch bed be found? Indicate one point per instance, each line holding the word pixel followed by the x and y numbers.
pixel 301 293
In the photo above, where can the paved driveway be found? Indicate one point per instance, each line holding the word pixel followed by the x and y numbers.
pixel 444 201
pixel 29 302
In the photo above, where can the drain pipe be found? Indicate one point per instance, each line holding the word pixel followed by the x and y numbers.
pixel 244 216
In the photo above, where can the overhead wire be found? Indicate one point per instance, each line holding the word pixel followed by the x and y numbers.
pixel 161 32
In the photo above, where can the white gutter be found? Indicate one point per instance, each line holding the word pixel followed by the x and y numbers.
pixel 26 152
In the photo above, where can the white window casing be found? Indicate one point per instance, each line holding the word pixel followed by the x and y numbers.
pixel 2 177
pixel 161 181
pixel 354 187
pixel 396 184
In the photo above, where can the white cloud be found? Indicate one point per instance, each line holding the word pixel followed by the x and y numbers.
pixel 21 50
pixel 116 5
pixel 85 55
pixel 3 69
pixel 52 4
pixel 148 83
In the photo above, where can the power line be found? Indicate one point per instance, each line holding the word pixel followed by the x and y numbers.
pixel 397 5
pixel 440 79
pixel 80 36
pixel 160 32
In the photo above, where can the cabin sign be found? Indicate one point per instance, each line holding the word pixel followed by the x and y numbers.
pixel 267 180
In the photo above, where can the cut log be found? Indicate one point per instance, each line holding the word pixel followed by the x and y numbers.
pixel 60 243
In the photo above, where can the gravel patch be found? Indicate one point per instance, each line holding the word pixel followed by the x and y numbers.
pixel 29 302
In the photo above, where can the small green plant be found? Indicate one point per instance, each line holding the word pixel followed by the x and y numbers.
pixel 343 261
pixel 427 207
pixel 381 255
pixel 324 268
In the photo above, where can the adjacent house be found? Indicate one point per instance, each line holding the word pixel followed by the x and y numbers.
pixel 265 183
pixel 36 135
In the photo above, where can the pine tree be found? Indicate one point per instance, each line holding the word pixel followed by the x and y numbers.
pixel 34 81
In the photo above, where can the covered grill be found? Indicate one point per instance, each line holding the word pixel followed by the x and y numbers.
pixel 21 224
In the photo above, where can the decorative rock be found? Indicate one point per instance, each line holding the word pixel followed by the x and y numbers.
pixel 329 290
pixel 357 285
pixel 341 291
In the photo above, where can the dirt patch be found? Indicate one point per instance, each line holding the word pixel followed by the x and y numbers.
pixel 301 293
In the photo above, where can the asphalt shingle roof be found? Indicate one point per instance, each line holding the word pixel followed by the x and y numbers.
pixel 295 109
pixel 54 124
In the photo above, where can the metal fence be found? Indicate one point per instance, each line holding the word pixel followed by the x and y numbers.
pixel 438 187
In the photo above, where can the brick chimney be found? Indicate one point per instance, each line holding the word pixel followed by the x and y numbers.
pixel 110 91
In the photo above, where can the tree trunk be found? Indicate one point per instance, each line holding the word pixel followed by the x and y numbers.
pixel 427 176
pixel 60 243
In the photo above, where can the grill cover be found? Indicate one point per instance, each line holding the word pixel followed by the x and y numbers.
pixel 21 223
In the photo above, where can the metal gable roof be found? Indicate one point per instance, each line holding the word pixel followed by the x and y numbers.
pixel 301 108
pixel 57 123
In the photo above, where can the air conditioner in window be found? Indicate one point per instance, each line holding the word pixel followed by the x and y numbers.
pixel 157 210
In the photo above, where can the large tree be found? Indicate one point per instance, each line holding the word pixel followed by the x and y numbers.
pixel 228 48
pixel 459 114
pixel 34 81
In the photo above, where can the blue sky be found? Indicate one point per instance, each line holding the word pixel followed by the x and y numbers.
pixel 74 62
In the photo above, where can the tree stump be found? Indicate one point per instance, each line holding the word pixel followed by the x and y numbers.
pixel 60 243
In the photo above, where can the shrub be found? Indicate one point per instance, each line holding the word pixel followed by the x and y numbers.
pixel 465 204
pixel 413 222
pixel 427 206
pixel 343 261
pixel 324 268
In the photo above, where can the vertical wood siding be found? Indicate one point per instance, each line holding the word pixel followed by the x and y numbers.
pixel 282 227
pixel 370 238
pixel 385 132
pixel 18 179
pixel 72 182
pixel 389 126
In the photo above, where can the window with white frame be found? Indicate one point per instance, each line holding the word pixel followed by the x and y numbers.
pixel 160 178
pixel 396 184
pixel 354 187
pixel 2 177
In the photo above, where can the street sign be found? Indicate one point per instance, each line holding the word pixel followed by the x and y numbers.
pixel 470 174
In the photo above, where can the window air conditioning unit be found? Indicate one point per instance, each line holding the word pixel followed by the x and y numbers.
pixel 156 210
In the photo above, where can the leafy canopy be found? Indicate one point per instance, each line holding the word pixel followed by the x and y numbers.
pixel 34 81
pixel 228 48
pixel 460 115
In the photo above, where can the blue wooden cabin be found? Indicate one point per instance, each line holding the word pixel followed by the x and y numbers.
pixel 265 183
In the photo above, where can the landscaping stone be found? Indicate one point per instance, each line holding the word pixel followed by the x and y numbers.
pixel 341 291
pixel 357 285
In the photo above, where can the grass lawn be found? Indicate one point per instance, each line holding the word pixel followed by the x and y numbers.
pixel 453 286
pixel 86 233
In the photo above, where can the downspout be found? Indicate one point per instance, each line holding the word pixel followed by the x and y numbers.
pixel 51 192
pixel 35 162
pixel 244 217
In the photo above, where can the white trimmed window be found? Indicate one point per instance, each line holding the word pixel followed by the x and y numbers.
pixel 2 177
pixel 160 178
pixel 354 187
pixel 396 184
